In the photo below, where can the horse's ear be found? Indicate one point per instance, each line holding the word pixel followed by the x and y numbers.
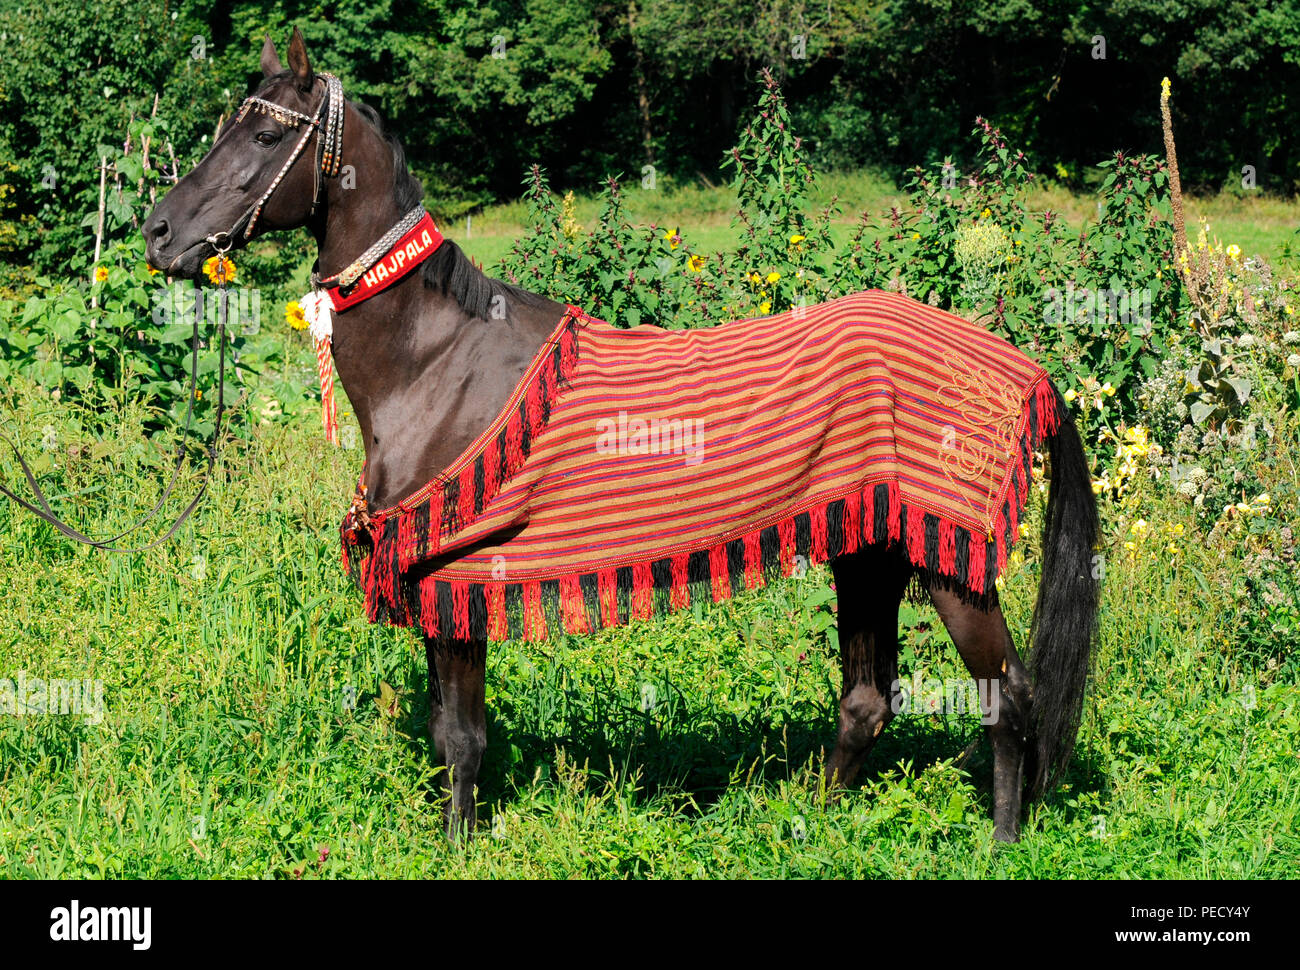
pixel 298 62
pixel 270 59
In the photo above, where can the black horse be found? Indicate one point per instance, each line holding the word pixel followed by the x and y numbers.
pixel 425 374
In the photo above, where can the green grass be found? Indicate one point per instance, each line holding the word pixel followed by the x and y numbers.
pixel 229 747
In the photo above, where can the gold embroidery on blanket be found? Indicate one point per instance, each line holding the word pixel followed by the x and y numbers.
pixel 990 405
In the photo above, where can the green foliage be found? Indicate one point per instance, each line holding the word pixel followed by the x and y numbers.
pixel 115 327
pixel 651 274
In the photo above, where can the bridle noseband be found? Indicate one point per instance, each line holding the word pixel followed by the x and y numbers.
pixel 327 122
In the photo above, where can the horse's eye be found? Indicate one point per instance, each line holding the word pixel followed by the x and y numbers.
pixel 267 137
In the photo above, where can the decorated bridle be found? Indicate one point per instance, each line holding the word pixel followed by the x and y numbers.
pixel 327 121
pixel 388 259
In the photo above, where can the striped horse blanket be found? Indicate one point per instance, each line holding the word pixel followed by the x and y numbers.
pixel 634 470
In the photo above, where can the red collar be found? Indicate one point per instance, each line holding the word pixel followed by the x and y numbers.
pixel 407 253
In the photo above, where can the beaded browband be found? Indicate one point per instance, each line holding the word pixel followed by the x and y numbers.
pixel 327 121
pixel 415 232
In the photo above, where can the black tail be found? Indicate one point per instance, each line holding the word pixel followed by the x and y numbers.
pixel 1065 616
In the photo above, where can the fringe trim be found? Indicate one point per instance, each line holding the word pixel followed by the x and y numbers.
pixel 960 559
pixel 446 505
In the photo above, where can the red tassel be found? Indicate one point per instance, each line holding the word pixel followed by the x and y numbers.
pixel 534 408
pixel 753 561
pixel 947 548
pixel 1045 404
pixel 429 606
pixel 869 515
pixel 514 444
pixel 1000 540
pixel 1013 505
pixel 385 581
pixel 786 531
pixel 406 538
pixel 534 616
pixel 607 593
pixel 895 513
pixel 573 608
pixel 568 352
pixel 460 610
pixel 435 523
pixel 680 595
pixel 916 536
pixel 975 569
pixel 817 518
pixel 498 622
pixel 852 522
pixel 643 591
pixel 466 494
pixel 719 573
pixel 491 469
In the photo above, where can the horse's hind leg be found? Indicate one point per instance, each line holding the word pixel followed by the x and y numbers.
pixel 984 642
pixel 868 586
pixel 458 726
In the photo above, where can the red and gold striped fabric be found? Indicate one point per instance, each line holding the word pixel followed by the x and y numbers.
pixel 635 469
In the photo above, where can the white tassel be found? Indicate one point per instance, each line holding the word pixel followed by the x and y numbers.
pixel 316 310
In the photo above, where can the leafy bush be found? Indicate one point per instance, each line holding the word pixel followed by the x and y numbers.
pixel 114 325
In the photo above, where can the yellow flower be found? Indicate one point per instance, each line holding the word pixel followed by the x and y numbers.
pixel 773 276
pixel 797 238
pixel 1070 395
pixel 1130 546
pixel 1164 89
pixel 101 274
pixel 696 263
pixel 755 278
pixel 765 307
pixel 1108 389
pixel 219 269
pixel 985 214
pixel 916 235
pixel 1234 251
pixel 673 237
pixel 294 316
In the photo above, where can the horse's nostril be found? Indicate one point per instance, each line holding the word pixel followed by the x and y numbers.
pixel 159 231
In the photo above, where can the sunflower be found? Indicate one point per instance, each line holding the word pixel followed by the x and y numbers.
pixel 219 269
pixel 294 315
pixel 696 263
pixel 101 274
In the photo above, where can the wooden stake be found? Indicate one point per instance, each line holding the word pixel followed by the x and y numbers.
pixel 99 229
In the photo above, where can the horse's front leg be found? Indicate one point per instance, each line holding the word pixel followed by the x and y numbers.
pixel 457 726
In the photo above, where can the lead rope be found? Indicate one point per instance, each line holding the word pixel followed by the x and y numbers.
pixel 47 514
